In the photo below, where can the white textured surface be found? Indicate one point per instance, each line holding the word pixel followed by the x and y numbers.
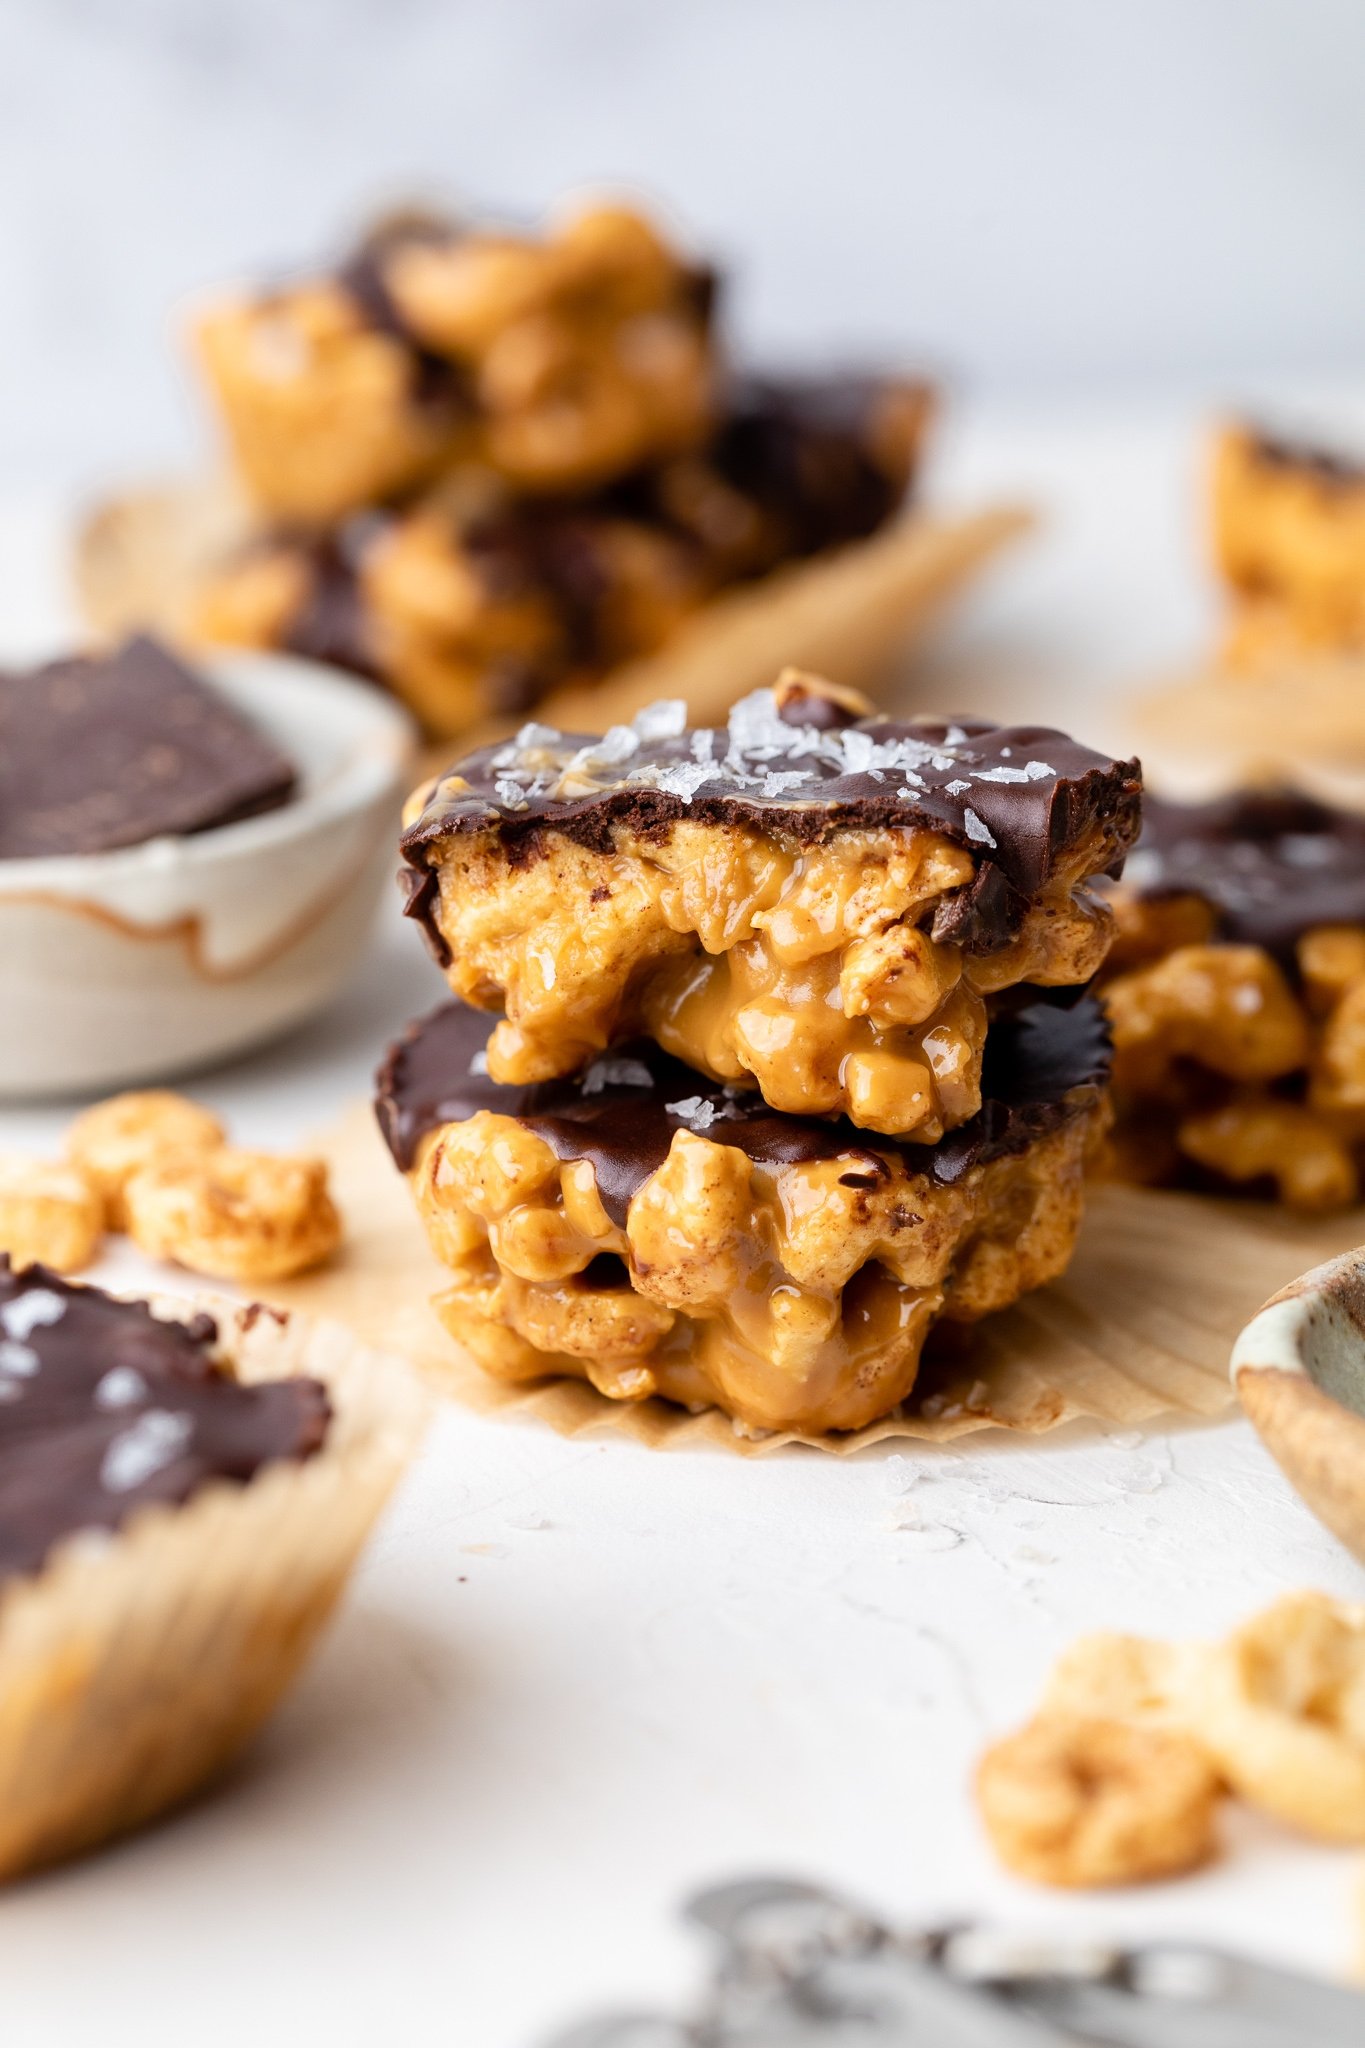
pixel 1033 192
pixel 576 1678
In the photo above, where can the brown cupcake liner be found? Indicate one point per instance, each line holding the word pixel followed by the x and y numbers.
pixel 133 1667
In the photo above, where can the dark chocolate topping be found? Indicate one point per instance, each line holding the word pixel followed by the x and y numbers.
pixel 1043 1064
pixel 105 1408
pixel 333 623
pixel 436 379
pixel 1017 797
pixel 808 453
pixel 1329 466
pixel 1271 863
pixel 99 752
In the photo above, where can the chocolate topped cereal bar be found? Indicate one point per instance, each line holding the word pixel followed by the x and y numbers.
pixel 1289 535
pixel 557 362
pixel 815 901
pixel 471 603
pixel 655 1233
pixel 1236 993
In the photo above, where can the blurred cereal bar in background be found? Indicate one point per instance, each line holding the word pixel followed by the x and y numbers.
pixel 556 362
pixel 470 602
pixel 1289 538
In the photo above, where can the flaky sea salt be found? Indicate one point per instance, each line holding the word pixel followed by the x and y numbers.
pixel 676 778
pixel 666 720
pixel 31 1311
pixel 145 1448
pixel 121 1387
pixel 978 831
pixel 701 1111
pixel 614 1073
pixel 17 1361
pixel 509 794
pixel 479 1063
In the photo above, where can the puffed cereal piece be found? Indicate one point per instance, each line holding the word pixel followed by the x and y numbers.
pixel 113 1140
pixel 50 1215
pixel 235 1215
pixel 1228 1008
pixel 1280 1707
pixel 1258 1137
pixel 1081 1802
pixel 1121 1678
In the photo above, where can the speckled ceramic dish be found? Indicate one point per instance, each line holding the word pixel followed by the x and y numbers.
pixel 144 963
pixel 1299 1370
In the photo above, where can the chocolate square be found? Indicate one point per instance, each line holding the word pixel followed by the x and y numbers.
pixel 104 751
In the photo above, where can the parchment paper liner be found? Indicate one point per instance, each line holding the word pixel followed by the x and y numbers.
pixel 138 559
pixel 1307 714
pixel 1140 1326
pixel 133 1667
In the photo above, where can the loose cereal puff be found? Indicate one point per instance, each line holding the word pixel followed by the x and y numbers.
pixel 50 1215
pixel 1111 1677
pixel 1281 1709
pixel 1081 1802
pixel 113 1140
pixel 244 1216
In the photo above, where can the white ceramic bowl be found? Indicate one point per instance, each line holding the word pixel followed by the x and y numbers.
pixel 118 968
pixel 1299 1370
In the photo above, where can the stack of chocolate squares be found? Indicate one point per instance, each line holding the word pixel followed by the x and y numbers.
pixel 794 1058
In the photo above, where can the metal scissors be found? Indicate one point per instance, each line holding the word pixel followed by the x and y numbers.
pixel 802 1967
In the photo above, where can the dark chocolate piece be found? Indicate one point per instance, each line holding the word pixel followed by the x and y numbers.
pixel 1018 797
pixel 105 1408
pixel 104 751
pixel 1043 1064
pixel 1272 864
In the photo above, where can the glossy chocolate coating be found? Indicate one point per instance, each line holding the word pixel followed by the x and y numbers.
pixel 1272 864
pixel 100 752
pixel 105 1408
pixel 1020 798
pixel 1043 1064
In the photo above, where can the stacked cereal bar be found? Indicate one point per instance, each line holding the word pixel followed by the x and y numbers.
pixel 485 465
pixel 1289 537
pixel 1237 998
pixel 790 1063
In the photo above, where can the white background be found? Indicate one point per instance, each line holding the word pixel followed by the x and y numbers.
pixel 1039 194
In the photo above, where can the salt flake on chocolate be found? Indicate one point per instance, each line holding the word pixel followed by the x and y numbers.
pixel 978 831
pixel 145 1448
pixel 666 720
pixel 616 1073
